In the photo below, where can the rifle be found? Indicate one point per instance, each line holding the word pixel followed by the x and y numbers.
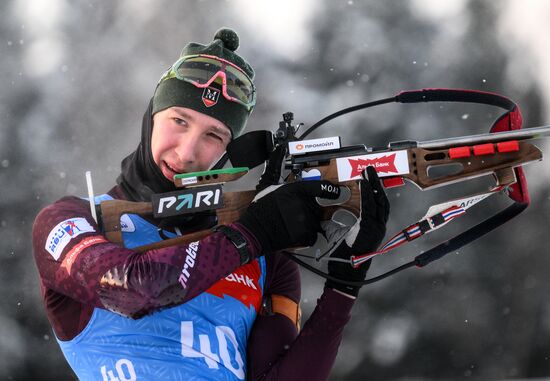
pixel 429 164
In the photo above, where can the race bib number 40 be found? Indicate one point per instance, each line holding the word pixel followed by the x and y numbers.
pixel 227 352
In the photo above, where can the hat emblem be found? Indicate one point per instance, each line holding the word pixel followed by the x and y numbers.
pixel 210 96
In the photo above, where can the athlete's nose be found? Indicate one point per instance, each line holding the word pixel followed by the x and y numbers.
pixel 187 147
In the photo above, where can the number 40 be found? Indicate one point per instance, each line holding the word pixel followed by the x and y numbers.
pixel 225 336
pixel 123 367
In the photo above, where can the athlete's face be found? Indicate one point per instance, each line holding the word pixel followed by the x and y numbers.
pixel 186 141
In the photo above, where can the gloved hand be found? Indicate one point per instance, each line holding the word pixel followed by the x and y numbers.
pixel 286 216
pixel 364 236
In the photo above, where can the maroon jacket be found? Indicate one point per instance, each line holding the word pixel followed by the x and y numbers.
pixel 140 283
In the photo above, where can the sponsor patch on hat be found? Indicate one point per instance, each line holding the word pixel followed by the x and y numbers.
pixel 210 96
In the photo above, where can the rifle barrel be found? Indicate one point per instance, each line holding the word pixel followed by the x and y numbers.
pixel 525 134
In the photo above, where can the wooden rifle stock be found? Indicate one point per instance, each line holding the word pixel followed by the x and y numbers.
pixel 235 203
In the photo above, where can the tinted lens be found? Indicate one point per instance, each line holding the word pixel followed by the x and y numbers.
pixel 238 85
pixel 202 69
pixel 198 69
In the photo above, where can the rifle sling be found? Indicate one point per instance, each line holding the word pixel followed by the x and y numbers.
pixel 434 253
pixel 471 234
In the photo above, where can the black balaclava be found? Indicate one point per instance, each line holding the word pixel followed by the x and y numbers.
pixel 140 177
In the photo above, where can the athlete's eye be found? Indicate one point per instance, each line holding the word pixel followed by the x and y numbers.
pixel 215 136
pixel 180 121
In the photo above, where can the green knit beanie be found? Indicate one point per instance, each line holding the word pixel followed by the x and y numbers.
pixel 174 92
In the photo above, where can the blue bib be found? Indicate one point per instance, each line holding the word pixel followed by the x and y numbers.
pixel 202 339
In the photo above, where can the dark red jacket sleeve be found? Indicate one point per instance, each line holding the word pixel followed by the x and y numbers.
pixel 76 261
pixel 275 349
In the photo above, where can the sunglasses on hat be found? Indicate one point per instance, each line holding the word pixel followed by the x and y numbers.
pixel 203 70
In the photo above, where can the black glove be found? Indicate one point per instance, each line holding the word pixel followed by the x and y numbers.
pixel 288 215
pixel 364 237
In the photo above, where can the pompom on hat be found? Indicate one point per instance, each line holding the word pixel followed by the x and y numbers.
pixel 174 92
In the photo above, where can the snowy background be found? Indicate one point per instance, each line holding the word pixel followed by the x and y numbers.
pixel 76 77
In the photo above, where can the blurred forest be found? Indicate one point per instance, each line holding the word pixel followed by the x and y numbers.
pixel 76 77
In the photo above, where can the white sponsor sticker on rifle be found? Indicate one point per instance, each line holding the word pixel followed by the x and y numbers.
pixel 189 180
pixel 386 164
pixel 463 203
pixel 313 145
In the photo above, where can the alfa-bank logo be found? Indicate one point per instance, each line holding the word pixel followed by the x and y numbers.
pixel 187 201
pixel 381 164
pixel 385 163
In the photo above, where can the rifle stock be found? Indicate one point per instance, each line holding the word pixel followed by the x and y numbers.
pixel 112 210
pixel 423 160
pixel 235 203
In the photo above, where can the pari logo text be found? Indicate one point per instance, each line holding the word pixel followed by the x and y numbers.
pixel 187 201
pixel 385 163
